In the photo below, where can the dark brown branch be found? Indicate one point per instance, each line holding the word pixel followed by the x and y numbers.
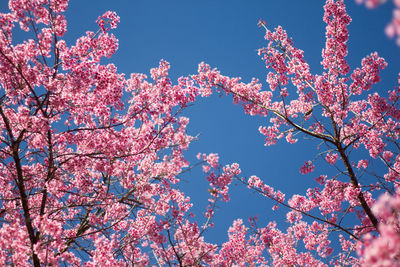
pixel 354 182
pixel 21 185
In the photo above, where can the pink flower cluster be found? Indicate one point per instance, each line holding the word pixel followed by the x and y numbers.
pixel 219 181
pixel 108 20
pixel 331 158
pixel 307 167
pixel 256 183
pixel 383 250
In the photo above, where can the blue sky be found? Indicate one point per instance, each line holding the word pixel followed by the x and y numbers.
pixel 224 34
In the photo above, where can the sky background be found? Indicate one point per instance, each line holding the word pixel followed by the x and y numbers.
pixel 224 34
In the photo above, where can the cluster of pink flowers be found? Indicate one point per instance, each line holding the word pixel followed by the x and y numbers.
pixel 384 249
pixel 393 28
pixel 307 167
pixel 331 158
pixel 255 183
pixel 108 20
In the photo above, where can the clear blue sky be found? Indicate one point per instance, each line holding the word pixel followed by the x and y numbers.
pixel 224 34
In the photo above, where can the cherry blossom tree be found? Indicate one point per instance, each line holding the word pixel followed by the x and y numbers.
pixel 91 159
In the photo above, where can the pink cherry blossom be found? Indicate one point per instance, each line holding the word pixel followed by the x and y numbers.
pixel 307 167
pixel 109 18
pixel 331 158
